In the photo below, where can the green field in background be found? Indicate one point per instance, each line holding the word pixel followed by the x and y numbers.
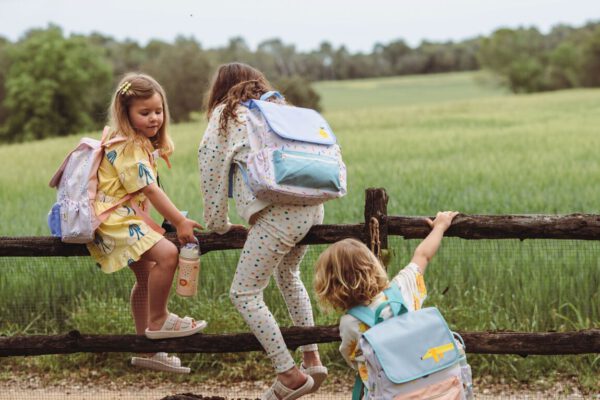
pixel 434 142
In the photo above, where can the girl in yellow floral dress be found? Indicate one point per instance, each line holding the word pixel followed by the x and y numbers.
pixel 348 274
pixel 129 237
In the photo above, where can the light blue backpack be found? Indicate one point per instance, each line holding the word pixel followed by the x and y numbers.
pixel 411 355
pixel 294 157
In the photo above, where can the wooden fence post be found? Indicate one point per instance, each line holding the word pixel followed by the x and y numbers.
pixel 376 224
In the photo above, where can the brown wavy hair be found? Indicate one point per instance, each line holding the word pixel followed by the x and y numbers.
pixel 348 274
pixel 232 84
pixel 141 86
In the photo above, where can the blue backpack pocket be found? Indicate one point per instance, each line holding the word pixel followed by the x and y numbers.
pixel 54 220
pixel 306 170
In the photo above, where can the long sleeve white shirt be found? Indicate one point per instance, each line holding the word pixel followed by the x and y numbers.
pixel 218 151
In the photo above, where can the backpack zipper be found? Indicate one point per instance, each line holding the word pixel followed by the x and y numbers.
pixel 297 156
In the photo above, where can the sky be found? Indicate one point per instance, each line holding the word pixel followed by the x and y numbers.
pixel 357 24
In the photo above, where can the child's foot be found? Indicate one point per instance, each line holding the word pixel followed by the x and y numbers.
pixel 312 366
pixel 311 359
pixel 292 378
pixel 160 362
pixel 174 327
pixel 289 386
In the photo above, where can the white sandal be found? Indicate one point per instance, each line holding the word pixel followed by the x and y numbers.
pixel 175 327
pixel 285 392
pixel 160 362
pixel 318 373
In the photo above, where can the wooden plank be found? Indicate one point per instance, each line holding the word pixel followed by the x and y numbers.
pixel 522 343
pixel 572 226
pixel 31 246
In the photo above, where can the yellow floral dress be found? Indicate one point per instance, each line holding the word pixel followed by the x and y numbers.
pixel 124 236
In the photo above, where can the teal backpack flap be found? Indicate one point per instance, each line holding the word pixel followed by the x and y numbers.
pixel 413 345
pixel 296 123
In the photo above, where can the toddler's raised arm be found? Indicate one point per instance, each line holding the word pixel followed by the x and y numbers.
pixel 429 246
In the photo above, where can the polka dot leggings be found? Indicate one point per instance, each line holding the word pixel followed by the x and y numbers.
pixel 271 248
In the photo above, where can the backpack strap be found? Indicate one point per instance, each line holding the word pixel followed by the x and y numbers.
pixel 147 219
pixel 394 300
pixel 231 172
pixel 158 154
pixel 104 215
pixel 230 181
pixel 363 314
pixel 359 387
pixel 250 105
pixel 105 134
pixel 369 317
pixel 270 94
pixel 105 141
pixel 143 214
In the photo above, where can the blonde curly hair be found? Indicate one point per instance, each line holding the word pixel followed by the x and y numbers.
pixel 348 274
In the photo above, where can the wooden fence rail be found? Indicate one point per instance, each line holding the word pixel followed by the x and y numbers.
pixel 522 343
pixel 574 226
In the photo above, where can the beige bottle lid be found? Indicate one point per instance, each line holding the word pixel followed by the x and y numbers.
pixel 190 251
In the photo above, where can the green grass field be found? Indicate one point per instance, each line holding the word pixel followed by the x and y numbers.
pixel 434 142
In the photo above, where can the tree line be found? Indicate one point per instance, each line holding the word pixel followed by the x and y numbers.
pixel 52 84
pixel 528 61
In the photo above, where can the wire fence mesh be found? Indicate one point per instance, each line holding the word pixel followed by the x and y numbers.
pixel 533 285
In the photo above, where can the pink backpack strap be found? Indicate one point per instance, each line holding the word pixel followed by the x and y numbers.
pixel 147 219
pixel 143 214
pixel 55 180
pixel 104 215
pixel 105 134
pixel 157 153
pixel 106 142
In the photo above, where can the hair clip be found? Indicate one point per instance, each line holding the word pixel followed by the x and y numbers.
pixel 124 88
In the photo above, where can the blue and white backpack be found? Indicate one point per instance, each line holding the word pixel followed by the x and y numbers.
pixel 411 355
pixel 294 157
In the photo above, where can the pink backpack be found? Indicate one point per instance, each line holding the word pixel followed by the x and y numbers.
pixel 72 217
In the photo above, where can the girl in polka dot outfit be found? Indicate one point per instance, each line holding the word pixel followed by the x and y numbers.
pixel 129 237
pixel 271 247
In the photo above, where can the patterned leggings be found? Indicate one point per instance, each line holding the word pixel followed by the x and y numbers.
pixel 271 247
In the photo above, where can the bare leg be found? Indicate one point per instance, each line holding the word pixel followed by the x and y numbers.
pixel 311 359
pixel 139 295
pixel 292 378
pixel 164 256
pixel 139 298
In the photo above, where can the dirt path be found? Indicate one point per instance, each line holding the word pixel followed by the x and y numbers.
pixel 20 385
pixel 24 390
pixel 120 391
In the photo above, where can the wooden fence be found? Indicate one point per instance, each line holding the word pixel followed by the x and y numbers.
pixel 374 231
